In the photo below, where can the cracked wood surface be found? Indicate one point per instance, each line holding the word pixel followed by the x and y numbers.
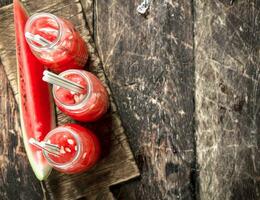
pixel 151 68
pixel 149 65
pixel 185 60
pixel 117 163
pixel 227 50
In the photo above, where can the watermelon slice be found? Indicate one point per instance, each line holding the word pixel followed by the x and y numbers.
pixel 35 104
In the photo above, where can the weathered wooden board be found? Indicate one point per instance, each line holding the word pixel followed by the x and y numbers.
pixel 117 164
pixel 88 11
pixel 227 58
pixel 160 69
pixel 149 64
pixel 17 179
pixel 5 2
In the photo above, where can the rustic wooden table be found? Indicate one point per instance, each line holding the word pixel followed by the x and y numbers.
pixel 185 79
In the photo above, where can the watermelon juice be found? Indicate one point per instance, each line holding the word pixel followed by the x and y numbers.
pixel 89 104
pixel 55 42
pixel 79 149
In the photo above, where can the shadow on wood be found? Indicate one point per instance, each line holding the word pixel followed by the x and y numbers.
pixel 117 164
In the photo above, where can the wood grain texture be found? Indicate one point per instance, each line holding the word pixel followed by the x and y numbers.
pixel 149 65
pixel 88 11
pixel 227 50
pixel 17 179
pixel 5 2
pixel 117 163
pixel 185 60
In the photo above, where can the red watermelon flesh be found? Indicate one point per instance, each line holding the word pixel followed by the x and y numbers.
pixel 35 103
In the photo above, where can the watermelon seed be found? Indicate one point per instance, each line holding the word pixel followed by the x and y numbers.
pixel 70 141
pixel 67 149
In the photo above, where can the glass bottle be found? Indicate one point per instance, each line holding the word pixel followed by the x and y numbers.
pixel 88 105
pixel 55 42
pixel 79 149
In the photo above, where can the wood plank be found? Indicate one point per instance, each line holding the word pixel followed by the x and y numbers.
pixel 17 180
pixel 5 2
pixel 7 50
pixel 117 163
pixel 149 64
pixel 88 11
pixel 227 99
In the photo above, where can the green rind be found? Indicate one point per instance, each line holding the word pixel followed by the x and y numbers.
pixel 41 173
pixel 41 170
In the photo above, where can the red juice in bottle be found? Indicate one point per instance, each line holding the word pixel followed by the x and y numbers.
pixel 79 149
pixel 89 104
pixel 55 42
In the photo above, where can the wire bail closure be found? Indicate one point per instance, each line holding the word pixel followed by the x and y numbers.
pixel 143 7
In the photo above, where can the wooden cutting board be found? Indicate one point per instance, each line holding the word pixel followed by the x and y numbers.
pixel 117 163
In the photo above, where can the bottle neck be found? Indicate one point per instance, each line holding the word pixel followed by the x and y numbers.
pixel 69 163
pixel 89 88
pixel 48 19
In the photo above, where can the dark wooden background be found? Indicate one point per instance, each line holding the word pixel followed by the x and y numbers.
pixel 185 79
